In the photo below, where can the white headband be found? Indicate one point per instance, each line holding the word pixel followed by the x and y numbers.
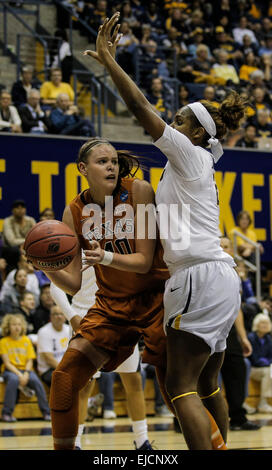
pixel 208 123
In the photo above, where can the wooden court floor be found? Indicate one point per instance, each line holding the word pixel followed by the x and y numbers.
pixel 116 434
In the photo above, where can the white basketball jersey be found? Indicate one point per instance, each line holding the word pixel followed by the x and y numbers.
pixel 187 204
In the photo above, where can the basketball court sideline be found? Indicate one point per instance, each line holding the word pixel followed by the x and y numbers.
pixel 117 434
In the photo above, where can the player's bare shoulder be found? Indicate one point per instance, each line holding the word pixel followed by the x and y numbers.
pixel 142 191
pixel 67 217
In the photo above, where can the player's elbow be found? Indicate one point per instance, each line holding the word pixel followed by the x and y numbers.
pixel 144 268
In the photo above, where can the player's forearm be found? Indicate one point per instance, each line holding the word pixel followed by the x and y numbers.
pixel 240 326
pixel 136 262
pixel 68 282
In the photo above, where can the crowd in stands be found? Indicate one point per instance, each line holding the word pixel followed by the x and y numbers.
pixel 39 108
pixel 196 49
pixel 219 45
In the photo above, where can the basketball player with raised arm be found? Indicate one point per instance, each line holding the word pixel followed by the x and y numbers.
pixel 202 297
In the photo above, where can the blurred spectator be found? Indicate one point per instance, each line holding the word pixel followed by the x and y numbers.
pixel 17 354
pixel 152 17
pixel 175 18
pixel 261 359
pixel 95 16
pixel 3 271
pixel 209 95
pixel 241 30
pixel 151 58
pixel 52 343
pixel 249 66
pixel 10 120
pixel 265 30
pixel 196 38
pixel 51 89
pixel 267 48
pixel 172 39
pixel 42 314
pixel 11 299
pixel 225 41
pixel 34 120
pixel 256 80
pixel 21 87
pixel 196 20
pixel 146 34
pixel 63 57
pixel 247 293
pixel 160 99
pixel 47 214
pixel 27 309
pixel 126 14
pixel 65 119
pixel 226 72
pixel 32 284
pixel 126 47
pixel 263 124
pixel 183 96
pixel 243 223
pixel 15 229
pixel 248 46
pixel 202 65
pixel 265 305
pixel 260 99
pixel 249 139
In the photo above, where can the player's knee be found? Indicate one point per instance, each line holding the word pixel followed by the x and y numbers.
pixel 207 386
pixel 176 386
pixel 61 392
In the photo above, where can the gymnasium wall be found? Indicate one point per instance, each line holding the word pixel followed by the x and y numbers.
pixel 41 170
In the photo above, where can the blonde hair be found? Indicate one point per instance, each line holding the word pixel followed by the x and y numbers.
pixel 7 320
pixel 260 317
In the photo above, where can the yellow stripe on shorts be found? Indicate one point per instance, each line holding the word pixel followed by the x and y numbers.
pixel 176 322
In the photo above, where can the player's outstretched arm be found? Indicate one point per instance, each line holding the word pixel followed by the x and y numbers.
pixel 129 91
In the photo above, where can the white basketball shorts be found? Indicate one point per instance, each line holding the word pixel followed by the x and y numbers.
pixel 203 300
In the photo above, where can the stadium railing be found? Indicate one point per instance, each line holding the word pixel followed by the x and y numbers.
pixel 256 268
pixel 7 9
pixel 95 89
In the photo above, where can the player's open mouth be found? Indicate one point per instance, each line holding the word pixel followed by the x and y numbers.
pixel 110 177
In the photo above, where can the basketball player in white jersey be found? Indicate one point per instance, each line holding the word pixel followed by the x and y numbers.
pixel 202 295
pixel 129 370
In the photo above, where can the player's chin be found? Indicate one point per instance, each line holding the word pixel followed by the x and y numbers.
pixel 112 182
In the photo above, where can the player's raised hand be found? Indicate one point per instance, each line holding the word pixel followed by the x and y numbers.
pixel 106 39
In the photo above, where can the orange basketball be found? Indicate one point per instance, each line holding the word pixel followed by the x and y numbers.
pixel 51 245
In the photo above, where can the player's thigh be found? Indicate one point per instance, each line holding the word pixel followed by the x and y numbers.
pixel 187 355
pixel 97 356
pixel 208 379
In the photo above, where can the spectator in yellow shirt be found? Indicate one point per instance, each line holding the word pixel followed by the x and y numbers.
pixel 17 354
pixel 51 89
pixel 224 70
pixel 248 67
pixel 244 221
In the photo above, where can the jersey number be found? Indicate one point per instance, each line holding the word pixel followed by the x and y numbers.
pixel 121 244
